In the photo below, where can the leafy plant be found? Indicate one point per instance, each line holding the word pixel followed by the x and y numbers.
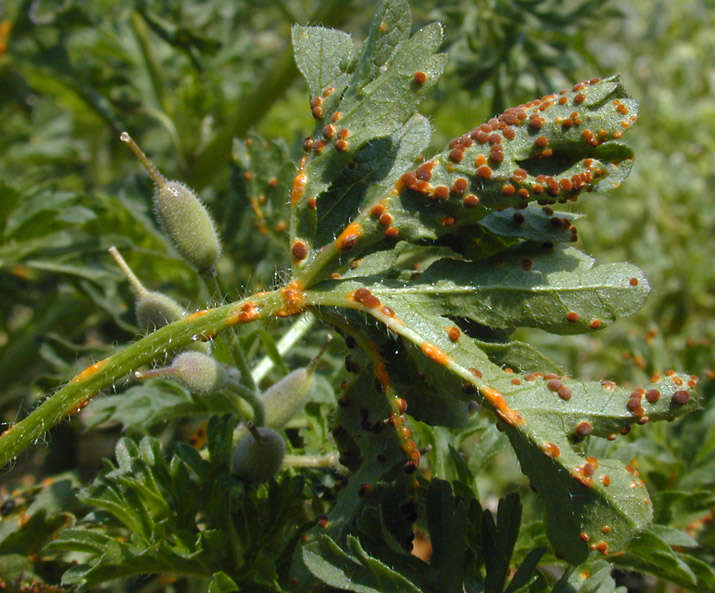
pixel 426 266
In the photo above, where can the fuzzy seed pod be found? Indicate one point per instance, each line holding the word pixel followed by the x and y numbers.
pixel 284 399
pixel 258 455
pixel 197 371
pixel 153 309
pixel 182 215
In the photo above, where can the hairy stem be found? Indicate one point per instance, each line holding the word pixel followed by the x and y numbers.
pixel 83 387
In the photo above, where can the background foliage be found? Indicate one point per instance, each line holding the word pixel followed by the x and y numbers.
pixel 186 78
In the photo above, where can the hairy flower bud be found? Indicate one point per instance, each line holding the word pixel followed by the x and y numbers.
pixel 284 399
pixel 197 371
pixel 184 218
pixel 153 309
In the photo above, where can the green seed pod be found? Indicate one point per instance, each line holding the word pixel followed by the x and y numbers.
pixel 182 215
pixel 284 399
pixel 197 371
pixel 258 455
pixel 153 309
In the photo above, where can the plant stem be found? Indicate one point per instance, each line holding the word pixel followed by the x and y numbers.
pixel 83 387
pixel 329 460
pixel 287 341
pixel 216 291
pixel 157 80
pixel 253 399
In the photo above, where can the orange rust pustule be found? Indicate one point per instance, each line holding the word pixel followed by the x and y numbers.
pixel 89 371
pixel 366 298
pixel 299 183
pixel 243 314
pixel 424 171
pixel 294 299
pixel 196 315
pixel 349 236
pixel 496 399
pixel 435 353
pixel 453 333
pixel 551 449
pixel 380 369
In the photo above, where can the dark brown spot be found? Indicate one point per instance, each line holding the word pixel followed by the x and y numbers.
pixel 456 155
pixel 681 397
pixel 366 298
pixel 652 395
pixel 583 429
pixel 420 78
pixel 299 250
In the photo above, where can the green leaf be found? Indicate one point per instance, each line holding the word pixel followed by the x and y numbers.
pixel 222 583
pixel 322 55
pixel 499 541
pixel 652 551
pixel 593 577
pixel 589 503
pixel 356 571
pixel 525 573
pixel 542 290
pixel 381 96
pixel 447 524
pixel 155 402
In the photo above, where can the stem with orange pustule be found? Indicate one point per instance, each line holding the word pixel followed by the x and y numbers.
pixel 71 398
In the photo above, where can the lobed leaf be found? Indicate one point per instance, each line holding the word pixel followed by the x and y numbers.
pixel 590 504
pixel 379 97
pixel 559 290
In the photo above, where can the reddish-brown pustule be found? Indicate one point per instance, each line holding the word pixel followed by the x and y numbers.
pixel 453 333
pixel 299 250
pixel 366 298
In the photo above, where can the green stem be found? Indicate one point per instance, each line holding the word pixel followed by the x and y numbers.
pixel 72 397
pixel 216 291
pixel 256 103
pixel 253 399
pixel 157 80
pixel 329 460
pixel 289 339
